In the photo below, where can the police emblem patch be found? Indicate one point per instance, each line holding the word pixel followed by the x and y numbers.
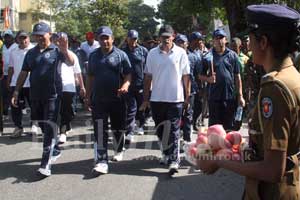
pixel 267 107
pixel 111 60
pixel 47 55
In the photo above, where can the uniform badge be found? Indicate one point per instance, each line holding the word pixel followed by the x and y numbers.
pixel 111 60
pixel 47 55
pixel 267 107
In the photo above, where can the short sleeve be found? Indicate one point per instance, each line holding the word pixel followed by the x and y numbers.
pixel 149 63
pixel 205 63
pixel 91 64
pixel 127 69
pixel 198 66
pixel 185 64
pixel 77 69
pixel 236 64
pixel 276 117
pixel 26 63
pixel 11 60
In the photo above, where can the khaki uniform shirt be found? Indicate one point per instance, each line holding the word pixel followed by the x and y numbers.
pixel 275 125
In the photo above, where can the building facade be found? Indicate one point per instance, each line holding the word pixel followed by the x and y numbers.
pixel 23 14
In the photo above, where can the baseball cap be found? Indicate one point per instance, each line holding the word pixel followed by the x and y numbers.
pixel 89 36
pixel 196 36
pixel 181 37
pixel 104 30
pixel 22 33
pixel 133 34
pixel 8 32
pixel 166 30
pixel 41 28
pixel 219 32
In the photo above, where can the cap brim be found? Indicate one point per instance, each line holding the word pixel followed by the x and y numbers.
pixel 23 35
pixel 220 35
pixel 39 33
pixel 106 34
pixel 166 34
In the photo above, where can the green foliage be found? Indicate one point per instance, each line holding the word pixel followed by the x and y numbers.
pixel 141 17
pixel 77 17
pixel 189 15
pixel 186 16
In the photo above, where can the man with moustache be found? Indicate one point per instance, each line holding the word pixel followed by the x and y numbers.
pixel 109 77
pixel 42 61
pixel 221 70
pixel 168 71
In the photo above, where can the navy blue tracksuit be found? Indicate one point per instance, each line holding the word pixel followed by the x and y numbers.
pixel 107 71
pixel 134 98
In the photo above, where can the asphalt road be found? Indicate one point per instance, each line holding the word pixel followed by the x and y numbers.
pixel 138 177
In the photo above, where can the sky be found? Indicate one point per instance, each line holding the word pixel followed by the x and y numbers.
pixel 152 2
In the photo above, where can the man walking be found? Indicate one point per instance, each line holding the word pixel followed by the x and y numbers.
pixel 221 69
pixel 109 76
pixel 137 55
pixel 168 70
pixel 42 62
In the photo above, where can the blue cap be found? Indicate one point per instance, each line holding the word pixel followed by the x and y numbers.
pixel 196 36
pixel 62 34
pixel 133 34
pixel 104 30
pixel 219 32
pixel 271 15
pixel 181 37
pixel 8 32
pixel 41 28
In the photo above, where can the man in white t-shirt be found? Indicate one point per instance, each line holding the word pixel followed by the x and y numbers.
pixel 8 45
pixel 90 44
pixel 70 75
pixel 167 68
pixel 16 59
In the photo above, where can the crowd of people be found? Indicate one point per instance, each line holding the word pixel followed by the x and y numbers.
pixel 177 79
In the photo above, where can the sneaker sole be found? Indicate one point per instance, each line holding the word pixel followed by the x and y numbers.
pixel 42 175
pixel 97 173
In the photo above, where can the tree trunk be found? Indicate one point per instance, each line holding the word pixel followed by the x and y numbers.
pixel 235 16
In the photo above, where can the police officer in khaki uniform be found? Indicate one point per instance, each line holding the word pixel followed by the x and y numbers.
pixel 274 128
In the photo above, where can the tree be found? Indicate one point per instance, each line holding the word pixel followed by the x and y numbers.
pixel 190 15
pixel 141 17
pixel 76 17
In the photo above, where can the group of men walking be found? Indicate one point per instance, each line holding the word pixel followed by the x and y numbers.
pixel 121 83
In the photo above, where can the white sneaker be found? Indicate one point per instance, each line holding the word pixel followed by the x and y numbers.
pixel 34 129
pixel 173 168
pixel 129 138
pixel 17 133
pixel 140 131
pixel 164 160
pixel 69 131
pixel 62 138
pixel 44 172
pixel 24 111
pixel 118 156
pixel 101 168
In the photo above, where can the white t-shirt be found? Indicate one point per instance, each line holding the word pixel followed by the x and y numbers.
pixel 89 49
pixel 68 74
pixel 5 56
pixel 16 59
pixel 167 70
